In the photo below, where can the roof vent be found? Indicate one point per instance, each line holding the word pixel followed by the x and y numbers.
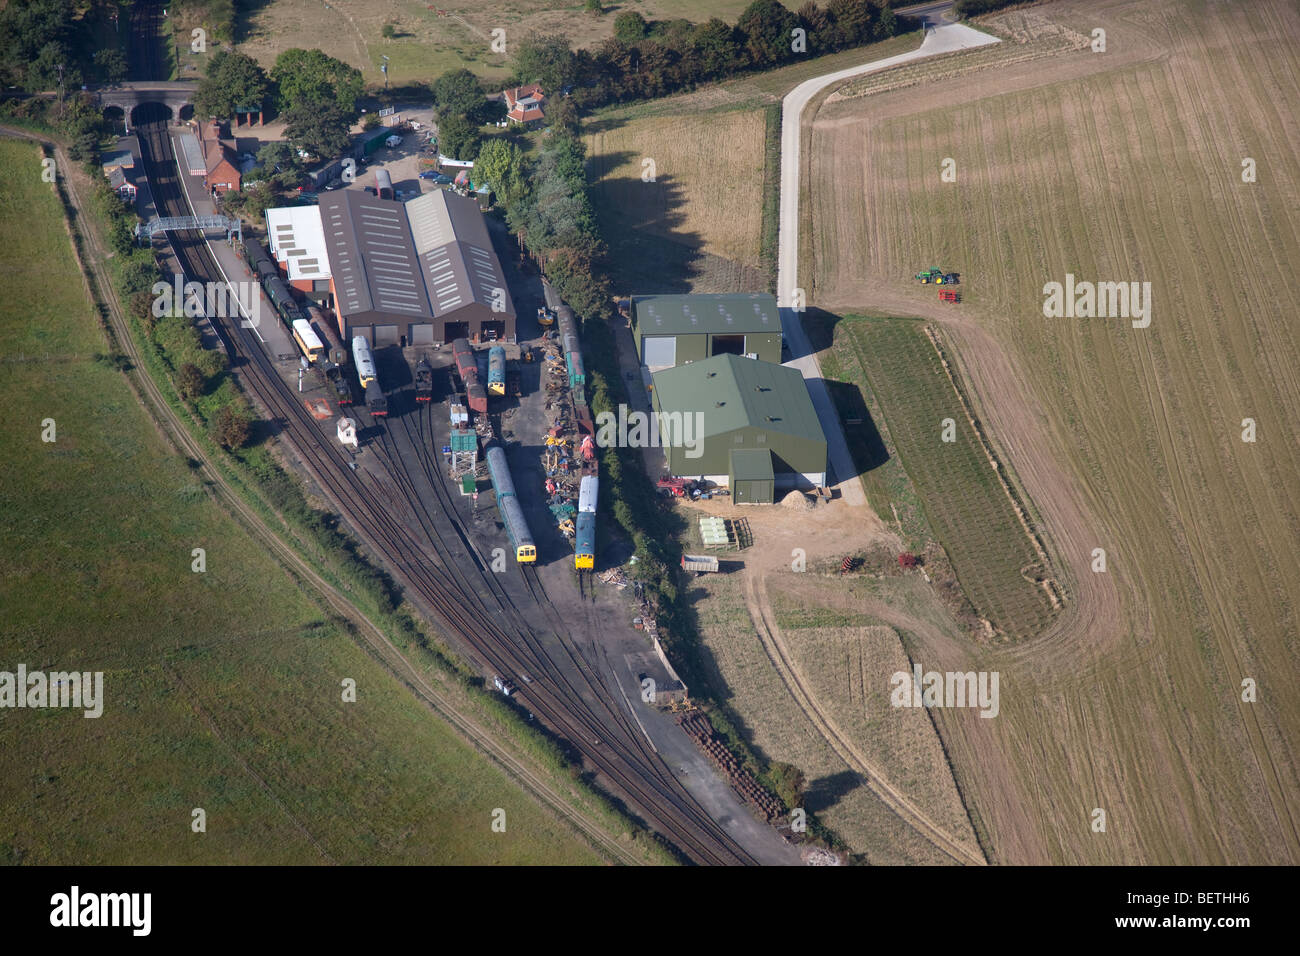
pixel 718 404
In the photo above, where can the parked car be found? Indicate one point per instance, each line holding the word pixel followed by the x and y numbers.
pixel 436 176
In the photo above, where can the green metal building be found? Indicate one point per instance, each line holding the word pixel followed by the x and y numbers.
pixel 676 329
pixel 742 423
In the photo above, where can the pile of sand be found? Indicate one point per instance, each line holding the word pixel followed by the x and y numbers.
pixel 799 501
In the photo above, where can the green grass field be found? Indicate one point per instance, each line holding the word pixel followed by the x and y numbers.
pixel 963 499
pixel 222 688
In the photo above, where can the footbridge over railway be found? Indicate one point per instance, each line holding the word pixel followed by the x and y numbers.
pixel 176 95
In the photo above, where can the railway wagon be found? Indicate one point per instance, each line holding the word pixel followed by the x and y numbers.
pixel 337 378
pixel 466 361
pixel 277 290
pixel 423 380
pixel 584 555
pixel 259 260
pixel 329 334
pixel 512 515
pixel 308 342
pixel 476 398
pixel 521 539
pixel 567 321
pixel 499 472
pixel 376 400
pixel 496 377
pixel 364 360
pixel 577 374
pixel 588 492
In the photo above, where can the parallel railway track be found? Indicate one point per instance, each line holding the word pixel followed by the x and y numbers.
pixel 467 602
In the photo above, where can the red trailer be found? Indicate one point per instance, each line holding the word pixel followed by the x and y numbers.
pixel 949 295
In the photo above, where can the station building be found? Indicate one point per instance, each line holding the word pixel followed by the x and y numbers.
pixel 753 426
pixel 673 330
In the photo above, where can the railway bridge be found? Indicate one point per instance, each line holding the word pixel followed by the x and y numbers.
pixel 176 95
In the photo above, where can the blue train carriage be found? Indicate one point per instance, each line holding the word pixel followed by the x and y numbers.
pixel 496 377
pixel 573 361
pixel 584 557
pixel 512 515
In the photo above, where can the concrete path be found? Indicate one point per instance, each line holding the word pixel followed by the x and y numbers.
pixel 940 37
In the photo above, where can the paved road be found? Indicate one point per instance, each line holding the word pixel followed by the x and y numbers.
pixel 940 37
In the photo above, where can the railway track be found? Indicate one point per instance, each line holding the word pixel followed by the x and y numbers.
pixel 465 602
pixel 551 663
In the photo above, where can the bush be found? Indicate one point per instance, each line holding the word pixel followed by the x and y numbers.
pixel 231 428
pixel 189 380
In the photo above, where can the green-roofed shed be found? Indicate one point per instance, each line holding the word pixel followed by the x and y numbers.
pixel 676 329
pixel 750 477
pixel 730 418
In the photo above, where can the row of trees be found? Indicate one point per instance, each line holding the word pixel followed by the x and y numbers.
pixel 39 36
pixel 646 59
pixel 547 203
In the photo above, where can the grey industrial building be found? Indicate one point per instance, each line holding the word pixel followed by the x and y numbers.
pixel 752 428
pixel 414 273
pixel 676 329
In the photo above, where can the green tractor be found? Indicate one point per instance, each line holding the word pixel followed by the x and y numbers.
pixel 929 275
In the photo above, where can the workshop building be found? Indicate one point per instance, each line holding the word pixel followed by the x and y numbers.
pixel 414 273
pixel 676 329
pixel 740 422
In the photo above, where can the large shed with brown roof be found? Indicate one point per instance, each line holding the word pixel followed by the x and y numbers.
pixel 414 273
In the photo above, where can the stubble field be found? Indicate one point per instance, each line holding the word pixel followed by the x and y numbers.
pixel 1122 166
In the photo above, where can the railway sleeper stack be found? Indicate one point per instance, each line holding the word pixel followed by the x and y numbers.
pixel 699 729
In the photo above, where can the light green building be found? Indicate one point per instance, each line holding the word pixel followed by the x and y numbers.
pixel 676 329
pixel 742 423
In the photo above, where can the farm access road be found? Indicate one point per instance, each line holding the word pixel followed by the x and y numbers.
pixel 940 37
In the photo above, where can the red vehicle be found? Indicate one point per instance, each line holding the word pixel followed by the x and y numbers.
pixel 949 295
pixel 677 487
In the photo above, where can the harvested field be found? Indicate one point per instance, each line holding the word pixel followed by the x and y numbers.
pixel 1123 166
pixel 708 179
pixel 777 728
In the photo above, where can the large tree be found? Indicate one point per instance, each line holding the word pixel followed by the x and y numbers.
pixel 319 128
pixel 458 137
pixel 457 93
pixel 501 164
pixel 546 60
pixel 630 27
pixel 766 26
pixel 26 28
pixel 231 80
pixel 310 76
pixel 715 43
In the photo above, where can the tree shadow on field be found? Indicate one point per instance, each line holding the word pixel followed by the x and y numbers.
pixel 641 222
pixel 825 792
pixel 245 11
pixel 864 440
